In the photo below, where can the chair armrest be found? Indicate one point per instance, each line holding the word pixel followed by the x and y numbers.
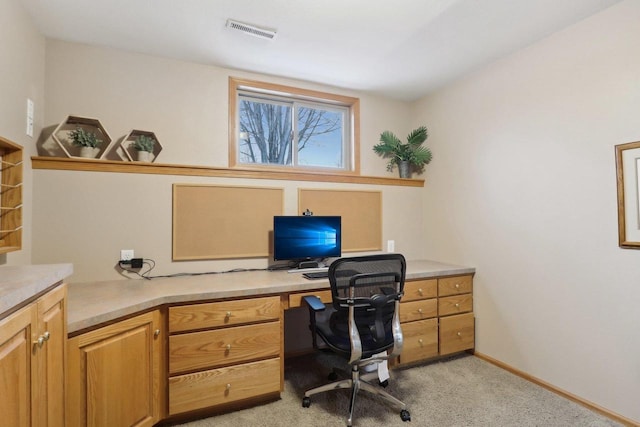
pixel 314 303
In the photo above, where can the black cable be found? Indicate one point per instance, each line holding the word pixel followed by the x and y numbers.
pixel 151 263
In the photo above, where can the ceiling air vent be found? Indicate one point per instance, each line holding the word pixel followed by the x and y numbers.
pixel 263 33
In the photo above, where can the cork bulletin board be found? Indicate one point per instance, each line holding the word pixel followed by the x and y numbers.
pixel 361 213
pixel 217 222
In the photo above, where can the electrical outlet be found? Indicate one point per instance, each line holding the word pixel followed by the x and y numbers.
pixel 126 254
pixel 391 245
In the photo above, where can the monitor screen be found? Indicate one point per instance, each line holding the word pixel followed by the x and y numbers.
pixel 306 237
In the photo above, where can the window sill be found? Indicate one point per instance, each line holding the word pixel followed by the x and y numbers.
pixel 94 165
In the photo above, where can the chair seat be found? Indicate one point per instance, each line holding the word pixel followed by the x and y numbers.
pixel 334 331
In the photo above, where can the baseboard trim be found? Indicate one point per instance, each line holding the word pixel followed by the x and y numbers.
pixel 577 399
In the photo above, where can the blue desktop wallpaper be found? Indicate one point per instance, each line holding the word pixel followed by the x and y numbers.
pixel 306 237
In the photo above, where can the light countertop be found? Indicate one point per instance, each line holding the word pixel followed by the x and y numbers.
pixel 94 303
pixel 19 284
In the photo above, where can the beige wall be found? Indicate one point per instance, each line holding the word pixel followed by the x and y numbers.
pixel 523 187
pixel 22 71
pixel 87 217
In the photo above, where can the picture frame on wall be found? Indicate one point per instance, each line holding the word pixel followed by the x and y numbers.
pixel 628 183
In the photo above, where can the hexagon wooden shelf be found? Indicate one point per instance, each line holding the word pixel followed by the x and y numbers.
pixel 61 135
pixel 132 154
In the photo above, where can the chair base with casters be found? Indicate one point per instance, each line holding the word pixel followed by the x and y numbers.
pixel 356 383
pixel 362 323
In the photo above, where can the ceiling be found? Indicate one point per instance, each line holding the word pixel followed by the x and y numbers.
pixel 401 49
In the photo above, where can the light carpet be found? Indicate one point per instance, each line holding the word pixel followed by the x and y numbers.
pixel 458 391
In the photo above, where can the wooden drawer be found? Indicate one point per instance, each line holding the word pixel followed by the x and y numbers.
pixel 455 285
pixel 420 340
pixel 456 333
pixel 223 385
pixel 295 300
pixel 223 313
pixel 420 289
pixel 219 347
pixel 455 304
pixel 418 310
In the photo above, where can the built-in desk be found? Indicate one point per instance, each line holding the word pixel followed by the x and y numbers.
pixel 215 341
pixel 94 303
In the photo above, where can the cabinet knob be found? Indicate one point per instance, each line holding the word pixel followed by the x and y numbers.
pixel 457 305
pixel 420 291
pixel 228 347
pixel 156 333
pixel 457 285
pixel 46 336
pixel 228 386
pixel 420 341
pixel 40 341
pixel 420 310
pixel 228 314
pixel 459 334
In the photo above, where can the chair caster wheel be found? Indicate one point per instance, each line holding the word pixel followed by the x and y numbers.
pixel 384 383
pixel 332 376
pixel 306 402
pixel 405 415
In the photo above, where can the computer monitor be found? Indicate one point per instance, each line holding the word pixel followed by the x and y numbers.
pixel 305 238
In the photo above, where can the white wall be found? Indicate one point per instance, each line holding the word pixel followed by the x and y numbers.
pixel 523 187
pixel 22 71
pixel 87 217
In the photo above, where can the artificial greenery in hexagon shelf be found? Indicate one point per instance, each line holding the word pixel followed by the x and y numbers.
pixel 144 143
pixel 412 151
pixel 84 138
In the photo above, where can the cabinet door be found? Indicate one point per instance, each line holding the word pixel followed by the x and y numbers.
pixel 52 324
pixel 114 374
pixel 16 354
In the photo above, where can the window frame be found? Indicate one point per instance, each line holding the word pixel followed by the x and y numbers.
pixel 296 95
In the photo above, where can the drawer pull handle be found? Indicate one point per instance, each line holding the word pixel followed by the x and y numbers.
pixel 459 334
pixel 457 305
pixel 228 347
pixel 420 341
pixel 420 291
pixel 228 314
pixel 156 333
pixel 457 285
pixel 228 386
pixel 420 310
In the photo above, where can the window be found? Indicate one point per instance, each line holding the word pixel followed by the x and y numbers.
pixel 282 127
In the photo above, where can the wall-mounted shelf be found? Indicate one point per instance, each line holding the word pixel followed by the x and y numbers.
pixel 60 163
pixel 131 153
pixel 10 196
pixel 61 135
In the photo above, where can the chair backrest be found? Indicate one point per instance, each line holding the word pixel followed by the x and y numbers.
pixel 366 292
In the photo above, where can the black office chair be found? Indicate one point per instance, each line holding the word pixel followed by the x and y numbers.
pixel 362 324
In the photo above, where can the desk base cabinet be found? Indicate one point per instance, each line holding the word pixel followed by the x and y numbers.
pixel 224 352
pixel 114 374
pixel 32 362
pixel 436 316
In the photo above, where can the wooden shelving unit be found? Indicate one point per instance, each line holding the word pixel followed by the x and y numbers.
pixel 10 196
pixel 61 135
pixel 94 165
pixel 127 144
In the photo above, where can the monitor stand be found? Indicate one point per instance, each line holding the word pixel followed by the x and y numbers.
pixel 307 266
